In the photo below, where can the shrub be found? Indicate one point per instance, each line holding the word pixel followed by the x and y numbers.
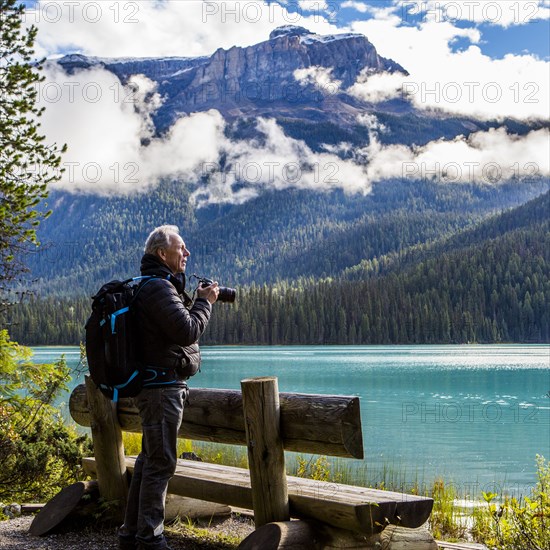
pixel 39 454
pixel 517 523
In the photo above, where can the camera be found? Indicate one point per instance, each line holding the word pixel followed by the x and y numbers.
pixel 226 294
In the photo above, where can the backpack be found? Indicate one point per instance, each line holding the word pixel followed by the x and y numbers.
pixel 112 347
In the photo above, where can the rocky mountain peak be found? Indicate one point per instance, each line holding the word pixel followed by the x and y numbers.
pixel 266 79
pixel 288 30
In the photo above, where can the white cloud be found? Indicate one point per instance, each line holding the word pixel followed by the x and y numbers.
pixel 375 88
pixel 279 162
pixel 113 149
pixel 378 11
pixel 123 28
pixel 112 146
pixel 490 157
pixel 371 122
pixel 109 132
pixel 313 5
pixel 320 77
pixel 358 6
pixel 465 82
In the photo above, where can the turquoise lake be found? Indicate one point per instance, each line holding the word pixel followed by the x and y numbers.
pixel 474 415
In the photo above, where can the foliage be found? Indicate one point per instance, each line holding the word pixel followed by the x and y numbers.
pixel 132 444
pixel 38 453
pixel 318 469
pixel 517 523
pixel 218 453
pixel 445 521
pixel 27 164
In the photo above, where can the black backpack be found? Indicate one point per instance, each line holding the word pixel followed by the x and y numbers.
pixel 112 347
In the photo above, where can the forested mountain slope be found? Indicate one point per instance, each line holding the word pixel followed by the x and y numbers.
pixel 281 235
pixel 489 283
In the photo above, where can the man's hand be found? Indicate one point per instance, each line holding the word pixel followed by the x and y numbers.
pixel 209 292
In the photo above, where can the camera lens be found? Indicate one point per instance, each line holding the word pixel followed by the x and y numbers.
pixel 227 294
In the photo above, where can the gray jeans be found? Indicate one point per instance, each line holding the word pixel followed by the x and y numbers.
pixel 161 411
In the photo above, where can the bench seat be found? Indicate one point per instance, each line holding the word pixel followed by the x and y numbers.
pixel 345 506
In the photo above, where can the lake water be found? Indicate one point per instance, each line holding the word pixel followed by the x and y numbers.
pixel 473 415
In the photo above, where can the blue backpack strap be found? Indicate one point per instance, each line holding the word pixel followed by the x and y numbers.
pixel 114 316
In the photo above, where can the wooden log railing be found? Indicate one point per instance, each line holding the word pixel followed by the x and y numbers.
pixel 317 424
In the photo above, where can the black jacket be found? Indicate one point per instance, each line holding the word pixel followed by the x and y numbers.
pixel 167 329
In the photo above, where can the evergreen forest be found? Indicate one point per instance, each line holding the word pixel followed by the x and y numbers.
pixel 484 279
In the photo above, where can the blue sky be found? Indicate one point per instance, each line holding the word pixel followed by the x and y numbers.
pixel 532 38
pixel 527 30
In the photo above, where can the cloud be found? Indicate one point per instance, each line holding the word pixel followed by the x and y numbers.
pixel 110 133
pixel 376 10
pixel 320 77
pixel 123 28
pixel 113 148
pixel 313 5
pixel 410 32
pixel 277 162
pixel 490 157
pixel 358 6
pixel 371 122
pixel 375 88
pixel 464 82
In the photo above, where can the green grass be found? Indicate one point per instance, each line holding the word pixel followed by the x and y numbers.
pixel 203 538
pixel 132 444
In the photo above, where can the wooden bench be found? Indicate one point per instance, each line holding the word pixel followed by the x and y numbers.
pixel 267 423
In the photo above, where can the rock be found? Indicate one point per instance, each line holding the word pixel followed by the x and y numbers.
pixel 289 30
pixel 400 538
pixel 14 509
pixel 191 456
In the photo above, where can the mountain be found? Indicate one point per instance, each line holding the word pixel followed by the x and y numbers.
pixel 486 284
pixel 262 81
pixel 258 80
pixel 280 235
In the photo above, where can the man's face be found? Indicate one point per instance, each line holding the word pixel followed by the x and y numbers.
pixel 175 255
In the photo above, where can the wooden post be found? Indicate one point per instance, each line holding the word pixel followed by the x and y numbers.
pixel 266 456
pixel 108 449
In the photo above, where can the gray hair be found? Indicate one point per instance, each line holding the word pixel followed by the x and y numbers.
pixel 160 238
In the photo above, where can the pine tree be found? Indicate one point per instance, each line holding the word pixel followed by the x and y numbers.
pixel 27 164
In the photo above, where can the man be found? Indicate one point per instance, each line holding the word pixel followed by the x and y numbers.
pixel 169 326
